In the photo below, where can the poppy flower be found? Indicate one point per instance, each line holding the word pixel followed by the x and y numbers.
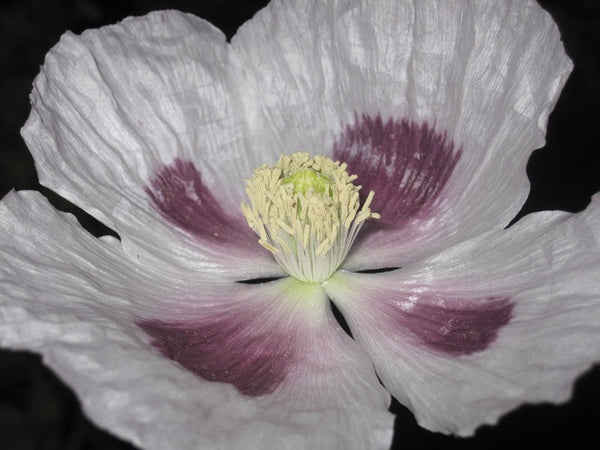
pixel 188 333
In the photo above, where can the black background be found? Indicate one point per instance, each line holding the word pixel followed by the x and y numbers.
pixel 37 411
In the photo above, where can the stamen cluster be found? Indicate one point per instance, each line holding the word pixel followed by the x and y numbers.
pixel 306 211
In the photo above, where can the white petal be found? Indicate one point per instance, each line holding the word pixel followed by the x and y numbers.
pixel 76 300
pixel 510 317
pixel 116 107
pixel 316 390
pixel 485 74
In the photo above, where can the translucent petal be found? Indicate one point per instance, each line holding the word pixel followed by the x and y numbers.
pixel 114 107
pixel 485 75
pixel 509 317
pixel 134 344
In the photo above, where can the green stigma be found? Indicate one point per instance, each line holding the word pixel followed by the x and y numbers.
pixel 304 179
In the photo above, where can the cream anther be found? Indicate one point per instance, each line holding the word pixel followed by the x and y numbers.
pixel 306 211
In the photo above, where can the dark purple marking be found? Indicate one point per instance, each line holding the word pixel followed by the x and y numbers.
pixel 184 200
pixel 230 348
pixel 450 326
pixel 407 165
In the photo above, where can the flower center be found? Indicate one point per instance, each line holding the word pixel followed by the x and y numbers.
pixel 306 212
pixel 306 178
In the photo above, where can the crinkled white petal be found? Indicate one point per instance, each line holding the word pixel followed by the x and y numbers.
pixel 486 73
pixel 113 106
pixel 74 299
pixel 547 266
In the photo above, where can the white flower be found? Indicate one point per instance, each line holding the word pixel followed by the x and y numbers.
pixel 152 125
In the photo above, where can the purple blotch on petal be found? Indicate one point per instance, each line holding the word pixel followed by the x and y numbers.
pixel 184 200
pixel 450 326
pixel 230 348
pixel 406 164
